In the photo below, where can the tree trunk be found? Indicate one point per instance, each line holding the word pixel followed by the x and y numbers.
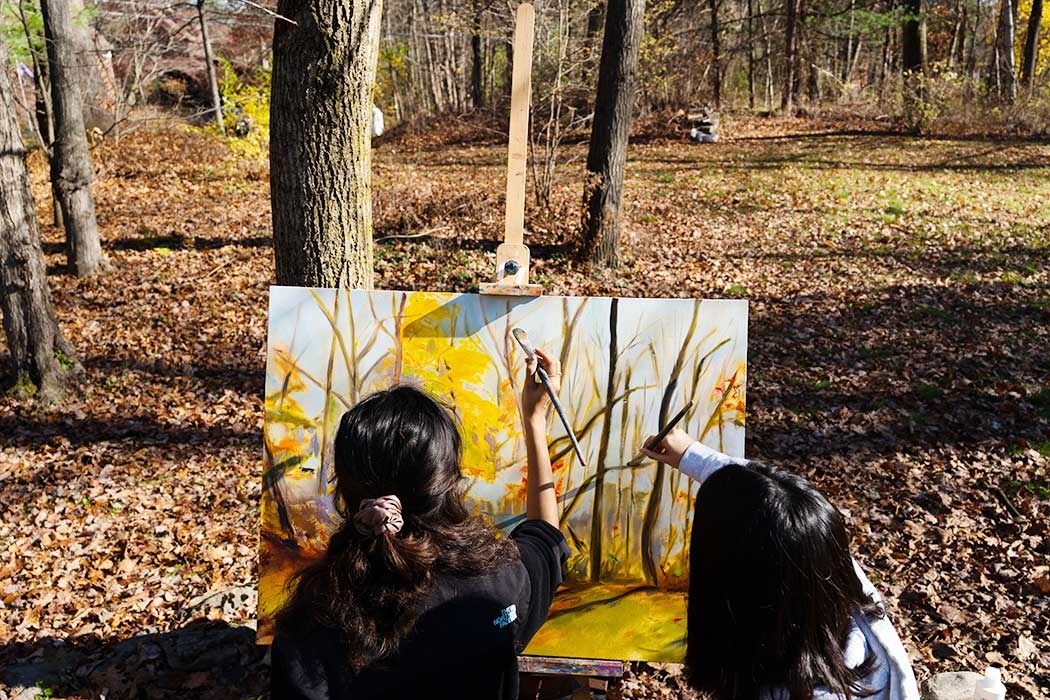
pixel 320 151
pixel 913 61
pixel 1031 43
pixel 33 336
pixel 598 512
pixel 750 55
pixel 791 56
pixel 477 98
pixel 716 55
pixel 607 157
pixel 71 170
pixel 213 80
pixel 1005 69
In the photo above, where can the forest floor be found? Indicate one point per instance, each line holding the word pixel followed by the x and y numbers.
pixel 899 294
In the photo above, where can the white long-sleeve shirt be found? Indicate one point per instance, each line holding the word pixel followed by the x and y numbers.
pixel 892 677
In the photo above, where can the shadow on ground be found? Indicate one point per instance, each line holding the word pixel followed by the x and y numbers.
pixel 201 659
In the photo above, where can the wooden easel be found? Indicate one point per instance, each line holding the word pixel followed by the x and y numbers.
pixel 512 256
pixel 512 274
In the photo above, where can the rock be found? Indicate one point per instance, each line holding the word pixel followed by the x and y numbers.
pixel 955 685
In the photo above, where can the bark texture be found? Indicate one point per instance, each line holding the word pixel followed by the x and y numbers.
pixel 1031 43
pixel 791 55
pixel 320 150
pixel 29 320
pixel 607 156
pixel 71 171
pixel 1005 68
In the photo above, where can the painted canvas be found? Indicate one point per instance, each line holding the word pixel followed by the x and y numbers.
pixel 628 365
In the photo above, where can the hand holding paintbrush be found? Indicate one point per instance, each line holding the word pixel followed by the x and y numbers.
pixel 536 398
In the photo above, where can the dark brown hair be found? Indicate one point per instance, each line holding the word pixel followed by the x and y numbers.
pixel 397 442
pixel 772 589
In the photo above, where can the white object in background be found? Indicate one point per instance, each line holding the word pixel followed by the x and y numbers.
pixel 378 125
pixel 991 686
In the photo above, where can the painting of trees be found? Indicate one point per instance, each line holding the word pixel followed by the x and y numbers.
pixel 627 365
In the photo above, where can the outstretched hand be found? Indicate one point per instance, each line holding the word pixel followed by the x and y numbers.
pixel 671 449
pixel 534 399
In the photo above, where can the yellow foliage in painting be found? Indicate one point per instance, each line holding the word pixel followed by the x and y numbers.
pixel 287 370
pixel 454 370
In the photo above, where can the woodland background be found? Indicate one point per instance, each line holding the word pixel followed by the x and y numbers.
pixel 880 196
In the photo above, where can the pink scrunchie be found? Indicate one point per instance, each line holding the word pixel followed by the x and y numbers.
pixel 375 515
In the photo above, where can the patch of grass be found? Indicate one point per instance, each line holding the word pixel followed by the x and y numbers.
pixel 928 392
pixel 665 176
pixel 964 276
pixel 894 208
pixel 1011 278
pixel 822 384
pixel 1040 489
pixel 64 361
pixel 736 290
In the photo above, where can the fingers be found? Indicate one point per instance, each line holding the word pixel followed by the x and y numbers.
pixel 549 364
pixel 658 456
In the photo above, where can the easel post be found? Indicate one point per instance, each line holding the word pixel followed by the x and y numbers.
pixel 512 256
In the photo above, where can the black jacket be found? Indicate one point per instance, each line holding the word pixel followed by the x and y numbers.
pixel 464 643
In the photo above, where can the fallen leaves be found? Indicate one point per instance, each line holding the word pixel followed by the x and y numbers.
pixel 899 357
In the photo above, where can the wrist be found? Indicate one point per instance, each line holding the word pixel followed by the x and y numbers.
pixel 536 421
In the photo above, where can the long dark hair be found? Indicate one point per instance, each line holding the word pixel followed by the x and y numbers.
pixel 397 442
pixel 771 589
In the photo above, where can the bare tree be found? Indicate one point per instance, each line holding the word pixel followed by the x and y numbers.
pixel 320 154
pixel 1031 43
pixel 33 336
pixel 607 156
pixel 71 170
pixel 209 59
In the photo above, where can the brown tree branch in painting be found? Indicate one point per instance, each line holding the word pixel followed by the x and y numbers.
pixel 603 449
pixel 272 476
pixel 322 447
pixel 624 424
pixel 652 509
pixel 399 343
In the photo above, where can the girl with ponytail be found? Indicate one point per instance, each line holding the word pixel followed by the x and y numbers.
pixel 416 597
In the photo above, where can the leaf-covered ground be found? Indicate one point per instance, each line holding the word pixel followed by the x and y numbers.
pixel 899 357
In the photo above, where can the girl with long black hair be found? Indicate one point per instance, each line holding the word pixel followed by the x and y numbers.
pixel 416 597
pixel 778 608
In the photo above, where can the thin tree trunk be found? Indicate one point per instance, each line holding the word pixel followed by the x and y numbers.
pixel 476 94
pixel 45 120
pixel 1004 68
pixel 33 336
pixel 1031 43
pixel 213 80
pixel 913 59
pixel 716 55
pixel 321 110
pixel 71 169
pixel 607 156
pixel 750 55
pixel 598 512
pixel 791 56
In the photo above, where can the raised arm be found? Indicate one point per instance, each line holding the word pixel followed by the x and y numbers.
pixel 541 502
pixel 693 458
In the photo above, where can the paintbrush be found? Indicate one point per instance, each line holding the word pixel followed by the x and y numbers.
pixel 659 437
pixel 523 340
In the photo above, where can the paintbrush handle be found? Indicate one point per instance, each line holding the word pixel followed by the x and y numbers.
pixel 561 414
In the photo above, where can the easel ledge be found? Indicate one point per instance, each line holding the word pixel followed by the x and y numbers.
pixel 573 667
